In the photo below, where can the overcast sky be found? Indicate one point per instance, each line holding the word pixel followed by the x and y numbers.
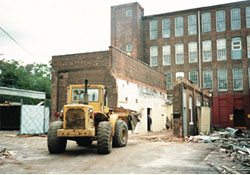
pixel 57 27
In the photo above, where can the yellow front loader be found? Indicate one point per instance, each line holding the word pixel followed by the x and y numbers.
pixel 86 117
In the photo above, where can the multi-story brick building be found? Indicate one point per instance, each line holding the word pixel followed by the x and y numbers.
pixel 209 46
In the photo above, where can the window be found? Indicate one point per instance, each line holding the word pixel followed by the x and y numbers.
pixel 206 22
pixel 192 29
pixel 179 75
pixel 222 79
pixel 179 26
pixel 248 46
pixel 237 79
pixel 128 12
pixel 153 29
pixel 220 21
pixel 166 55
pixel 129 47
pixel 193 76
pixel 77 95
pixel 207 51
pixel 235 19
pixel 168 80
pixel 248 17
pixel 179 54
pixel 236 48
pixel 192 52
pixel 153 56
pixel 221 49
pixel 166 28
pixel 207 79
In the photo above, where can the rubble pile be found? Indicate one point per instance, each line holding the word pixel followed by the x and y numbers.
pixel 4 153
pixel 234 142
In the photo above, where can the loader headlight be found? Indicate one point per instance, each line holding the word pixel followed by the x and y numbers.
pixel 90 110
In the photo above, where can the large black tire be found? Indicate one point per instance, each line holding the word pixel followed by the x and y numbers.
pixel 121 134
pixel 104 137
pixel 56 144
pixel 84 142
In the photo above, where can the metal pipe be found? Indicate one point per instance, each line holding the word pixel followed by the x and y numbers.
pixel 199 42
pixel 86 95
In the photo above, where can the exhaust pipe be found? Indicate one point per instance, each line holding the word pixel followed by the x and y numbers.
pixel 86 95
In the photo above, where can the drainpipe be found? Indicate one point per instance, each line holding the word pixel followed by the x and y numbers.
pixel 182 111
pixel 199 42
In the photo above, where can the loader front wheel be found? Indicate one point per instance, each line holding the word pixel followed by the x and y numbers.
pixel 121 134
pixel 104 137
pixel 56 144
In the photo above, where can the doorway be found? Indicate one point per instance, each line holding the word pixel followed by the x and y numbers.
pixel 149 119
pixel 239 118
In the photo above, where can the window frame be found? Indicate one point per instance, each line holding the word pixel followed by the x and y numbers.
pixel 235 20
pixel 153 55
pixel 129 47
pixel 196 82
pixel 166 51
pixel 179 32
pixel 211 53
pixel 224 79
pixel 153 30
pixel 205 82
pixel 195 60
pixel 220 21
pixel 238 78
pixel 248 46
pixel 168 79
pixel 166 29
pixel 129 12
pixel 225 48
pixel 206 24
pixel 176 60
pixel 192 24
pixel 247 10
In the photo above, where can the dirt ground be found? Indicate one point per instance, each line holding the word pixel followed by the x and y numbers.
pixel 152 153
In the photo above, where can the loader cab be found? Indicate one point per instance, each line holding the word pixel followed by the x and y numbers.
pixel 97 96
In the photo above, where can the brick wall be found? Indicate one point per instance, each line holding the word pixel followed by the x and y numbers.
pixel 127 30
pixel 74 69
pixel 131 68
pixel 244 63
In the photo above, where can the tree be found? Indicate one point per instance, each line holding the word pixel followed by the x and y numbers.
pixel 31 76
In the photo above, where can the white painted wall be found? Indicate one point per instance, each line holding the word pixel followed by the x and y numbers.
pixel 133 96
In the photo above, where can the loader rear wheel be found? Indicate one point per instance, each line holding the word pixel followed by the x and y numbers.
pixel 121 134
pixel 56 144
pixel 104 137
pixel 84 142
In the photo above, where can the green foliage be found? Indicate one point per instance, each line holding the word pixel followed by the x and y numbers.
pixel 31 77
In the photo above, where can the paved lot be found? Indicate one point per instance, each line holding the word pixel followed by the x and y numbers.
pixel 141 155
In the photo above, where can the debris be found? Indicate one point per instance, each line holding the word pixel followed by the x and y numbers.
pixel 5 154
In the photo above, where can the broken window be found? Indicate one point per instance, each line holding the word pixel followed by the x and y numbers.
pixel 129 47
pixel 128 12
